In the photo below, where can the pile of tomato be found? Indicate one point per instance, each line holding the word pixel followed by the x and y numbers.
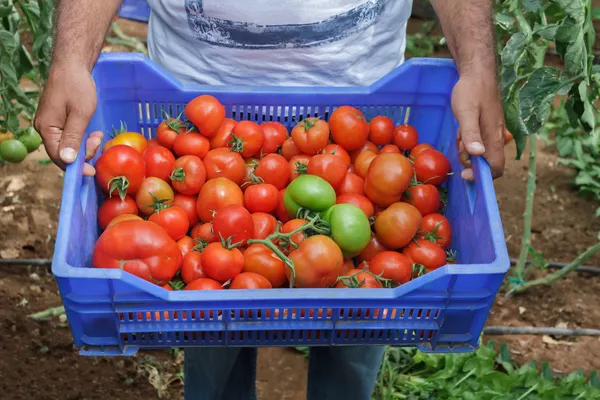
pixel 212 203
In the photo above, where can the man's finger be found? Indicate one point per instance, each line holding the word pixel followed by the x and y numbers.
pixel 77 121
pixel 492 122
pixel 467 113
pixel 92 143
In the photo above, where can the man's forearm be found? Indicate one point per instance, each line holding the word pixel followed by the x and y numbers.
pixel 469 30
pixel 80 27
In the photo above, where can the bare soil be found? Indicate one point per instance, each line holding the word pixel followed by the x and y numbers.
pixel 37 360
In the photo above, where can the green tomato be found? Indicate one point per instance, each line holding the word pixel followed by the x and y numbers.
pixel 13 151
pixel 308 191
pixel 31 139
pixel 350 228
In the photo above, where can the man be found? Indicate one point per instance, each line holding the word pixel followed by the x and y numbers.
pixel 265 42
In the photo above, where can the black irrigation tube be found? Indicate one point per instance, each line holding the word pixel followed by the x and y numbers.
pixel 46 261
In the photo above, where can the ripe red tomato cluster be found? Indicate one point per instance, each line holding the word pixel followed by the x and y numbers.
pixel 203 206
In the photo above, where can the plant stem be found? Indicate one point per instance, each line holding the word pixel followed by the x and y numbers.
pixel 527 215
pixel 464 378
pixel 548 280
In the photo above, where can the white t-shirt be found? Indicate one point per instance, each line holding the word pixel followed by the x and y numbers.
pixel 278 42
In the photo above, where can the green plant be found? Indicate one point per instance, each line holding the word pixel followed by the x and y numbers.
pixel 22 21
pixel 482 375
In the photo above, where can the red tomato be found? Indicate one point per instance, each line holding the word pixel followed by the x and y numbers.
pixel 153 142
pixel 431 166
pixel 113 207
pixel 437 227
pixel 173 219
pixel 425 197
pixel 349 127
pixel 123 217
pixel 141 248
pixel 275 134
pixel 418 149
pixel 263 197
pixel 273 169
pixel 311 135
pixel 189 204
pixel 204 284
pixel 220 263
pixel 348 266
pixel 359 201
pixel 405 137
pixel 120 170
pixel 233 222
pixel 167 132
pixel 363 161
pixel 225 163
pixel 191 144
pixel 329 167
pixel 388 176
pixel 289 149
pixel 425 253
pixel 358 278
pixel 260 260
pixel 352 184
pixel 223 135
pixel 397 225
pixel 318 262
pixel 391 265
pixel 159 162
pixel 264 225
pixel 373 248
pixel 338 151
pixel 204 232
pixel 217 193
pixel 281 213
pixel 250 178
pixel 191 267
pixel 367 146
pixel 298 237
pixel 247 138
pixel 207 113
pixel 189 175
pixel 381 130
pixel 132 139
pixel 298 165
pixel 185 244
pixel 151 190
pixel 250 280
pixel 390 148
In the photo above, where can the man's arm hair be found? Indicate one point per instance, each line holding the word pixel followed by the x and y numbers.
pixel 80 27
pixel 469 30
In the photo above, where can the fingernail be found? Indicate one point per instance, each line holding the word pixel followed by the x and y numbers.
pixel 68 155
pixel 476 148
pixel 88 170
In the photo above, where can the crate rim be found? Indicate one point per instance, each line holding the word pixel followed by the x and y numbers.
pixel 61 268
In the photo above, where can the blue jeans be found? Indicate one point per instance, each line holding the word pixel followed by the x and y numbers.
pixel 229 373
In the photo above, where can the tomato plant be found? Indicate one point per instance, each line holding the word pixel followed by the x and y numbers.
pixel 206 113
pixel 311 135
pixel 121 169
pixel 381 130
pixel 13 151
pixel 141 248
pixel 349 128
pixel 188 175
pixel 159 162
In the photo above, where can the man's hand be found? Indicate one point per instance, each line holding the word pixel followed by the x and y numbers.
pixel 469 31
pixel 477 107
pixel 65 109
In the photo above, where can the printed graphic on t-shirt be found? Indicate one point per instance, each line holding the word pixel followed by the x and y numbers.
pixel 250 35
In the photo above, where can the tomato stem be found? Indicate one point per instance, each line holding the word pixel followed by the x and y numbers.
pixel 120 184
pixel 177 175
pixel 301 168
pixel 237 144
pixel 122 129
pixel 159 204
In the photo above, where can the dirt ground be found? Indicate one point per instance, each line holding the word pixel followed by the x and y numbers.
pixel 37 360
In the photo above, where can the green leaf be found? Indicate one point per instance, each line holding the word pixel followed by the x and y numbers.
pixel 547 372
pixel 531 5
pixel 536 95
pixel 8 42
pixel 573 8
pixel 514 49
pixel 513 121
pixel 587 118
pixel 575 55
pixel 547 32
pixel 6 8
pixel 504 21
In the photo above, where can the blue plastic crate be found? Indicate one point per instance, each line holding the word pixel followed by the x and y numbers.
pixel 113 313
pixel 136 10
